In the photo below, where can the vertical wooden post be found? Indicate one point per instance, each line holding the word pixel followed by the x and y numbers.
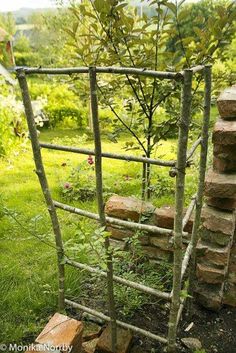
pixel 179 205
pixel 99 188
pixel 202 172
pixel 44 184
pixel 144 185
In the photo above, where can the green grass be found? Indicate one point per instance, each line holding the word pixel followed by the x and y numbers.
pixel 28 276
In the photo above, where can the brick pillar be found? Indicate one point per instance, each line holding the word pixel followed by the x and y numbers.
pixel 216 251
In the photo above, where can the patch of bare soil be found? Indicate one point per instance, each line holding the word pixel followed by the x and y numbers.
pixel 216 331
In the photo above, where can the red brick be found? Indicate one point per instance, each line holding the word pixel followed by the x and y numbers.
pixel 227 103
pixel 224 165
pixel 161 241
pixel 218 221
pixel 62 330
pixel 222 203
pixel 153 252
pixel 215 238
pixel 232 265
pixel 121 234
pixel 224 132
pixel 209 274
pixel 124 340
pixel 225 151
pixel 220 185
pixel 230 295
pixel 128 208
pixel 164 217
pixel 90 346
pixel 209 296
pixel 232 273
pixel 213 255
pixel 119 245
pixel 91 331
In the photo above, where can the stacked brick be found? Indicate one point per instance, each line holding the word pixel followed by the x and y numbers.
pixel 216 255
pixel 216 250
pixel 156 247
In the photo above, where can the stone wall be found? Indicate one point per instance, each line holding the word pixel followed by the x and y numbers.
pixel 216 260
pixel 216 249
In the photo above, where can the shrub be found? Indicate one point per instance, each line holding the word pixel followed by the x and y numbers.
pixel 26 59
pixel 63 105
pixel 12 125
pixel 63 112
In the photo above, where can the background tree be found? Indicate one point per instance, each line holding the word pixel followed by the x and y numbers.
pixel 44 43
pixel 7 21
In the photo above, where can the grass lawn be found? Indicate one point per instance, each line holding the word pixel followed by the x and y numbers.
pixel 28 276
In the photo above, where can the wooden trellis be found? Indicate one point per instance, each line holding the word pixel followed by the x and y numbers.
pixel 181 261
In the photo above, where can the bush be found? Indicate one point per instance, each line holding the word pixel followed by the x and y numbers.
pixel 12 125
pixel 26 59
pixel 23 53
pixel 63 105
pixel 63 113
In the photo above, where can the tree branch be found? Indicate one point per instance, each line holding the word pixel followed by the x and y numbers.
pixel 122 121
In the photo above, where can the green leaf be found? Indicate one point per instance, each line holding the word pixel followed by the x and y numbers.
pixel 90 14
pixel 183 14
pixel 121 6
pixel 172 7
pixel 75 26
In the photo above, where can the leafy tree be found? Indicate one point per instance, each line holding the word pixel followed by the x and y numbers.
pixel 114 33
pixel 23 52
pixel 45 44
pixel 7 21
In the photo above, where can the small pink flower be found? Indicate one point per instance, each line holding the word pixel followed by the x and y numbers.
pixel 67 185
pixel 90 160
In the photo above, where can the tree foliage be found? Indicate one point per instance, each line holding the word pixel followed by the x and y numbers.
pixel 45 42
pixel 115 33
pixel 7 22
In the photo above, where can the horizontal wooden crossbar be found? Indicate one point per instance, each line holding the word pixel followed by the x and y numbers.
pixel 131 284
pixel 194 69
pixel 108 155
pixel 115 221
pixel 106 70
pixel 124 157
pixel 119 323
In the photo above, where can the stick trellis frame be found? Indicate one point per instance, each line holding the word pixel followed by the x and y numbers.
pixel 181 261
